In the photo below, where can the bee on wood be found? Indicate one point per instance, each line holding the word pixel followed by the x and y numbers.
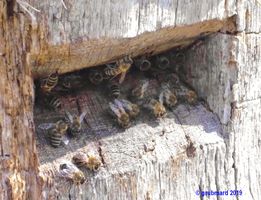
pixel 143 64
pixel 118 111
pixel 47 84
pixel 85 160
pixel 155 106
pixel 191 97
pixel 184 92
pixel 95 76
pixel 53 102
pixel 122 66
pixel 70 172
pixel 170 99
pixel 56 133
pixel 139 91
pixel 132 109
pixel 162 62
pixel 75 122
pixel 114 89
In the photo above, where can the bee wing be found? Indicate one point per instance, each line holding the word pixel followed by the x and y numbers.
pixel 165 86
pixel 126 104
pixel 46 126
pixel 145 84
pixel 110 66
pixel 114 109
pixel 69 116
pixel 123 74
pixel 161 97
pixel 82 116
pixel 119 105
pixel 67 170
pixel 65 139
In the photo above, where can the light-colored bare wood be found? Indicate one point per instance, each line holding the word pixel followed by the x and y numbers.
pixel 93 33
pixel 227 74
pixel 233 93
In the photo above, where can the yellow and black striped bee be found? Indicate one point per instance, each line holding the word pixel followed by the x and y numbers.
pixel 122 66
pixel 114 89
pixel 132 109
pixel 47 84
pixel 70 172
pixel 75 123
pixel 155 106
pixel 86 160
pixel 56 132
pixel 53 102
pixel 122 117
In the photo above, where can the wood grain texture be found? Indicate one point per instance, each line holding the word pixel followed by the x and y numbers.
pixel 18 155
pixel 233 93
pixel 90 33
pixel 130 171
pixel 224 69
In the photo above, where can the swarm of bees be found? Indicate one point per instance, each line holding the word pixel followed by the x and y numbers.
pixel 124 106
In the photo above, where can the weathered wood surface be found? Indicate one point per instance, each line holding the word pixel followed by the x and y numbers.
pixel 90 33
pixel 233 93
pixel 234 161
pixel 151 160
pixel 18 155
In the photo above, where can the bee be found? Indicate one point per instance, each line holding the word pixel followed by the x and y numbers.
pixel 75 122
pixel 95 77
pixel 185 93
pixel 53 102
pixel 170 99
pixel 123 118
pixel 47 84
pixel 191 97
pixel 156 107
pixel 70 172
pixel 162 62
pixel 56 132
pixel 122 66
pixel 114 88
pixel 132 109
pixel 143 64
pixel 86 160
pixel 138 92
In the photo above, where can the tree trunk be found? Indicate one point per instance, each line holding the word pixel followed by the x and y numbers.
pixel 194 149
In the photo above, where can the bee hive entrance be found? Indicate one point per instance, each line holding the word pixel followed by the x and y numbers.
pixel 119 148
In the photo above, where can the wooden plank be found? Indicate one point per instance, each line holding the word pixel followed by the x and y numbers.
pixel 92 33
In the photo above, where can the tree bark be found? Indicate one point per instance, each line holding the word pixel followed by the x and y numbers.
pixel 19 160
